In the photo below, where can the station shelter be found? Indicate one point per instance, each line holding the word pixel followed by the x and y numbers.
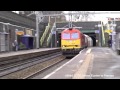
pixel 27 40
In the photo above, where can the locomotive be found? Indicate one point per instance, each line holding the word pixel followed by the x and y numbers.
pixel 90 41
pixel 73 41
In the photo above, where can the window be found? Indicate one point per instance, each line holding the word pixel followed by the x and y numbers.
pixel 66 36
pixel 74 35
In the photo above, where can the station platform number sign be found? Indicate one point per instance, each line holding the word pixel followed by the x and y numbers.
pixel 20 33
pixel 97 31
pixel 108 31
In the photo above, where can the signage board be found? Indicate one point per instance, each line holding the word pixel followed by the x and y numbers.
pixel 108 31
pixel 20 33
pixel 97 31
pixel 29 32
pixel 53 32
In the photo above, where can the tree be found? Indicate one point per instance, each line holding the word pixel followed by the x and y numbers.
pixel 82 16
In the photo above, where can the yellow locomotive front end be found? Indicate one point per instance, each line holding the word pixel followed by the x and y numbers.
pixel 70 42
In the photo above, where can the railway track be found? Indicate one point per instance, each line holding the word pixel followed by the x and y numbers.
pixel 19 63
pixel 29 68
pixel 31 76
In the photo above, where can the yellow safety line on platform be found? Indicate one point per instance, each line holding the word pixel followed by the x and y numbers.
pixel 81 73
pixel 88 51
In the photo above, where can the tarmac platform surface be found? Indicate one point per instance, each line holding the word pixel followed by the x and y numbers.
pixel 14 53
pixel 90 63
pixel 105 64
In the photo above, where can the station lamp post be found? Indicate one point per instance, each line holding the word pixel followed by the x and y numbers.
pixel 39 18
pixel 113 25
pixel 111 21
pixel 55 32
pixel 16 30
pixel 100 36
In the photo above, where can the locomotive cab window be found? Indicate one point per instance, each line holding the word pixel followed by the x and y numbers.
pixel 66 36
pixel 74 35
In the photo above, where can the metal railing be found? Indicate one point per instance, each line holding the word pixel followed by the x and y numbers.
pixel 44 34
pixel 50 35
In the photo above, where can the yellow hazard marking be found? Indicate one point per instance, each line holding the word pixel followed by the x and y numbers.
pixel 81 73
pixel 88 51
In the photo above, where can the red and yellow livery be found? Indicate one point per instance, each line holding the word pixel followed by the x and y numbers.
pixel 72 41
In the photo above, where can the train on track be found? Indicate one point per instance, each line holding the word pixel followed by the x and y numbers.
pixel 73 41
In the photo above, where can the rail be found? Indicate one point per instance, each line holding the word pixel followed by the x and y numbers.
pixel 44 34
pixel 12 68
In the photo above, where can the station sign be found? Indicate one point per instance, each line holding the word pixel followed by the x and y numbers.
pixel 53 32
pixel 29 32
pixel 99 25
pixel 19 32
pixel 97 31
pixel 108 31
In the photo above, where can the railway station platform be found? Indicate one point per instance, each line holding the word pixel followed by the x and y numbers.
pixel 25 54
pixel 90 63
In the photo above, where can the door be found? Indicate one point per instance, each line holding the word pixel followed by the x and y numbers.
pixel 2 42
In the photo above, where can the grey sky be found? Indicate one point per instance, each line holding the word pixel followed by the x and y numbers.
pixel 97 17
pixel 102 17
